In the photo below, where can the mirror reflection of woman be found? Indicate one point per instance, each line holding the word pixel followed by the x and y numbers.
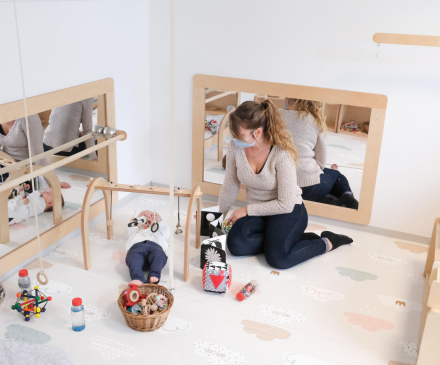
pixel 305 121
pixel 64 126
pixel 13 140
pixel 263 157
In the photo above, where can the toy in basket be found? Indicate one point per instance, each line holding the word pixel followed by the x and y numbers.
pixel 213 249
pixel 145 307
pixel 217 277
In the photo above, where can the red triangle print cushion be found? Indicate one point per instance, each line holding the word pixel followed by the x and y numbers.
pixel 216 280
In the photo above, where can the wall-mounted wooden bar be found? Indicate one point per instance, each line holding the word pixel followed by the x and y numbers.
pixel 407 39
pixel 51 152
pixel 120 136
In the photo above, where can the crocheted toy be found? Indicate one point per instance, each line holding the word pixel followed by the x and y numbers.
pixel 217 277
pixel 213 249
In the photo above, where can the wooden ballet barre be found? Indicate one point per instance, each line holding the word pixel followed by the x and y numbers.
pixel 222 95
pixel 120 136
pixel 51 152
pixel 407 39
pixel 194 195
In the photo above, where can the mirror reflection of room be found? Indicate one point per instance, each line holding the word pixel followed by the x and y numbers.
pixel 47 130
pixel 331 141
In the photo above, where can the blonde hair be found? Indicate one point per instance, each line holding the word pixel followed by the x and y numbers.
pixel 251 116
pixel 307 107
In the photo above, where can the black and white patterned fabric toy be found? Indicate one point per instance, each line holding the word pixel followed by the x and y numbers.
pixel 217 277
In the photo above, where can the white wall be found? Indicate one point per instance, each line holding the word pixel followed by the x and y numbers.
pixel 68 43
pixel 315 43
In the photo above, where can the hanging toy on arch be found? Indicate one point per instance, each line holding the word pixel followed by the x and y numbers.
pixel 178 226
pixel 31 305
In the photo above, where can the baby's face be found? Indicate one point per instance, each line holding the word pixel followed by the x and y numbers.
pixel 48 197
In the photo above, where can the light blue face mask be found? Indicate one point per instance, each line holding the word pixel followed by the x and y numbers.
pixel 246 144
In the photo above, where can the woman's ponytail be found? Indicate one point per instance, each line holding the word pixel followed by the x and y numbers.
pixel 251 115
pixel 276 130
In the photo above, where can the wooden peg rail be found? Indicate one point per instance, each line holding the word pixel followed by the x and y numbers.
pixel 407 39
pixel 106 187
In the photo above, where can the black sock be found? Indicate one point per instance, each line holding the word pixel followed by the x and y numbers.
pixel 348 200
pixel 309 236
pixel 329 199
pixel 336 239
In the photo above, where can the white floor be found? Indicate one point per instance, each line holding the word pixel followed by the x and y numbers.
pixel 360 304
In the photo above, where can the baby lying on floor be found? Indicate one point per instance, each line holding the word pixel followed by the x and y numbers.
pixel 21 208
pixel 146 250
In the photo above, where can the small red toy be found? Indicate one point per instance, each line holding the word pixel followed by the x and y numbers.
pixel 132 295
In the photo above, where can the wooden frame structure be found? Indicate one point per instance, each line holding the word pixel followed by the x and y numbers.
pixel 407 39
pixel 377 103
pixel 429 353
pixel 106 164
pixel 106 187
pixel 217 104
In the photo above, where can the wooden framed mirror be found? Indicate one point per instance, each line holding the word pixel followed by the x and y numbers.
pixel 87 105
pixel 356 152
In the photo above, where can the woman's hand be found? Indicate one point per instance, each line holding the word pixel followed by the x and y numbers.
pixel 65 185
pixel 237 214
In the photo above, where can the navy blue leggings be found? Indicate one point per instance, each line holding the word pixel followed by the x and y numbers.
pixel 281 237
pixel 332 182
pixel 145 255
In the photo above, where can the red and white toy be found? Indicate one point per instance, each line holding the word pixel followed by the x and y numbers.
pixel 132 295
pixel 217 277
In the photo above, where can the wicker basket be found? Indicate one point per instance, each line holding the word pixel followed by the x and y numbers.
pixel 150 322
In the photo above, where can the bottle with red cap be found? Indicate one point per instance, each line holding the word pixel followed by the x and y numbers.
pixel 78 315
pixel 249 289
pixel 24 281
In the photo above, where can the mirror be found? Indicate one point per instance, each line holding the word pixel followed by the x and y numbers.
pixel 47 130
pixel 346 154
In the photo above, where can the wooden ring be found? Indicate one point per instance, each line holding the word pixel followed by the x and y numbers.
pixel 133 296
pixel 42 273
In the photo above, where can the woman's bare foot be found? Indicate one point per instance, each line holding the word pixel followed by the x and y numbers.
pixel 153 280
pixel 135 282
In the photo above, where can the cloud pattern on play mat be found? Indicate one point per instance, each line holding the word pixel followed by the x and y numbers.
pixel 102 238
pixel 368 323
pixel 34 265
pixel 265 332
pixel 5 310
pixel 54 288
pixel 356 274
pixel 175 325
pixel 410 349
pixel 110 349
pixel 322 295
pixel 281 315
pixel 18 226
pixel 72 206
pixel 92 313
pixel 417 278
pixel 119 256
pixel 62 252
pixel 412 247
pixel 342 147
pixel 18 352
pixel 386 259
pixel 217 354
pixel 296 359
pixel 26 334
pixel 315 227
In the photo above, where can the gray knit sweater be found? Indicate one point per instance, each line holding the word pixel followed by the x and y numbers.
pixel 312 150
pixel 272 191
pixel 64 123
pixel 15 143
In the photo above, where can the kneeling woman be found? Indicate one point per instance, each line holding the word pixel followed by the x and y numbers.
pixel 262 156
pixel 305 122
